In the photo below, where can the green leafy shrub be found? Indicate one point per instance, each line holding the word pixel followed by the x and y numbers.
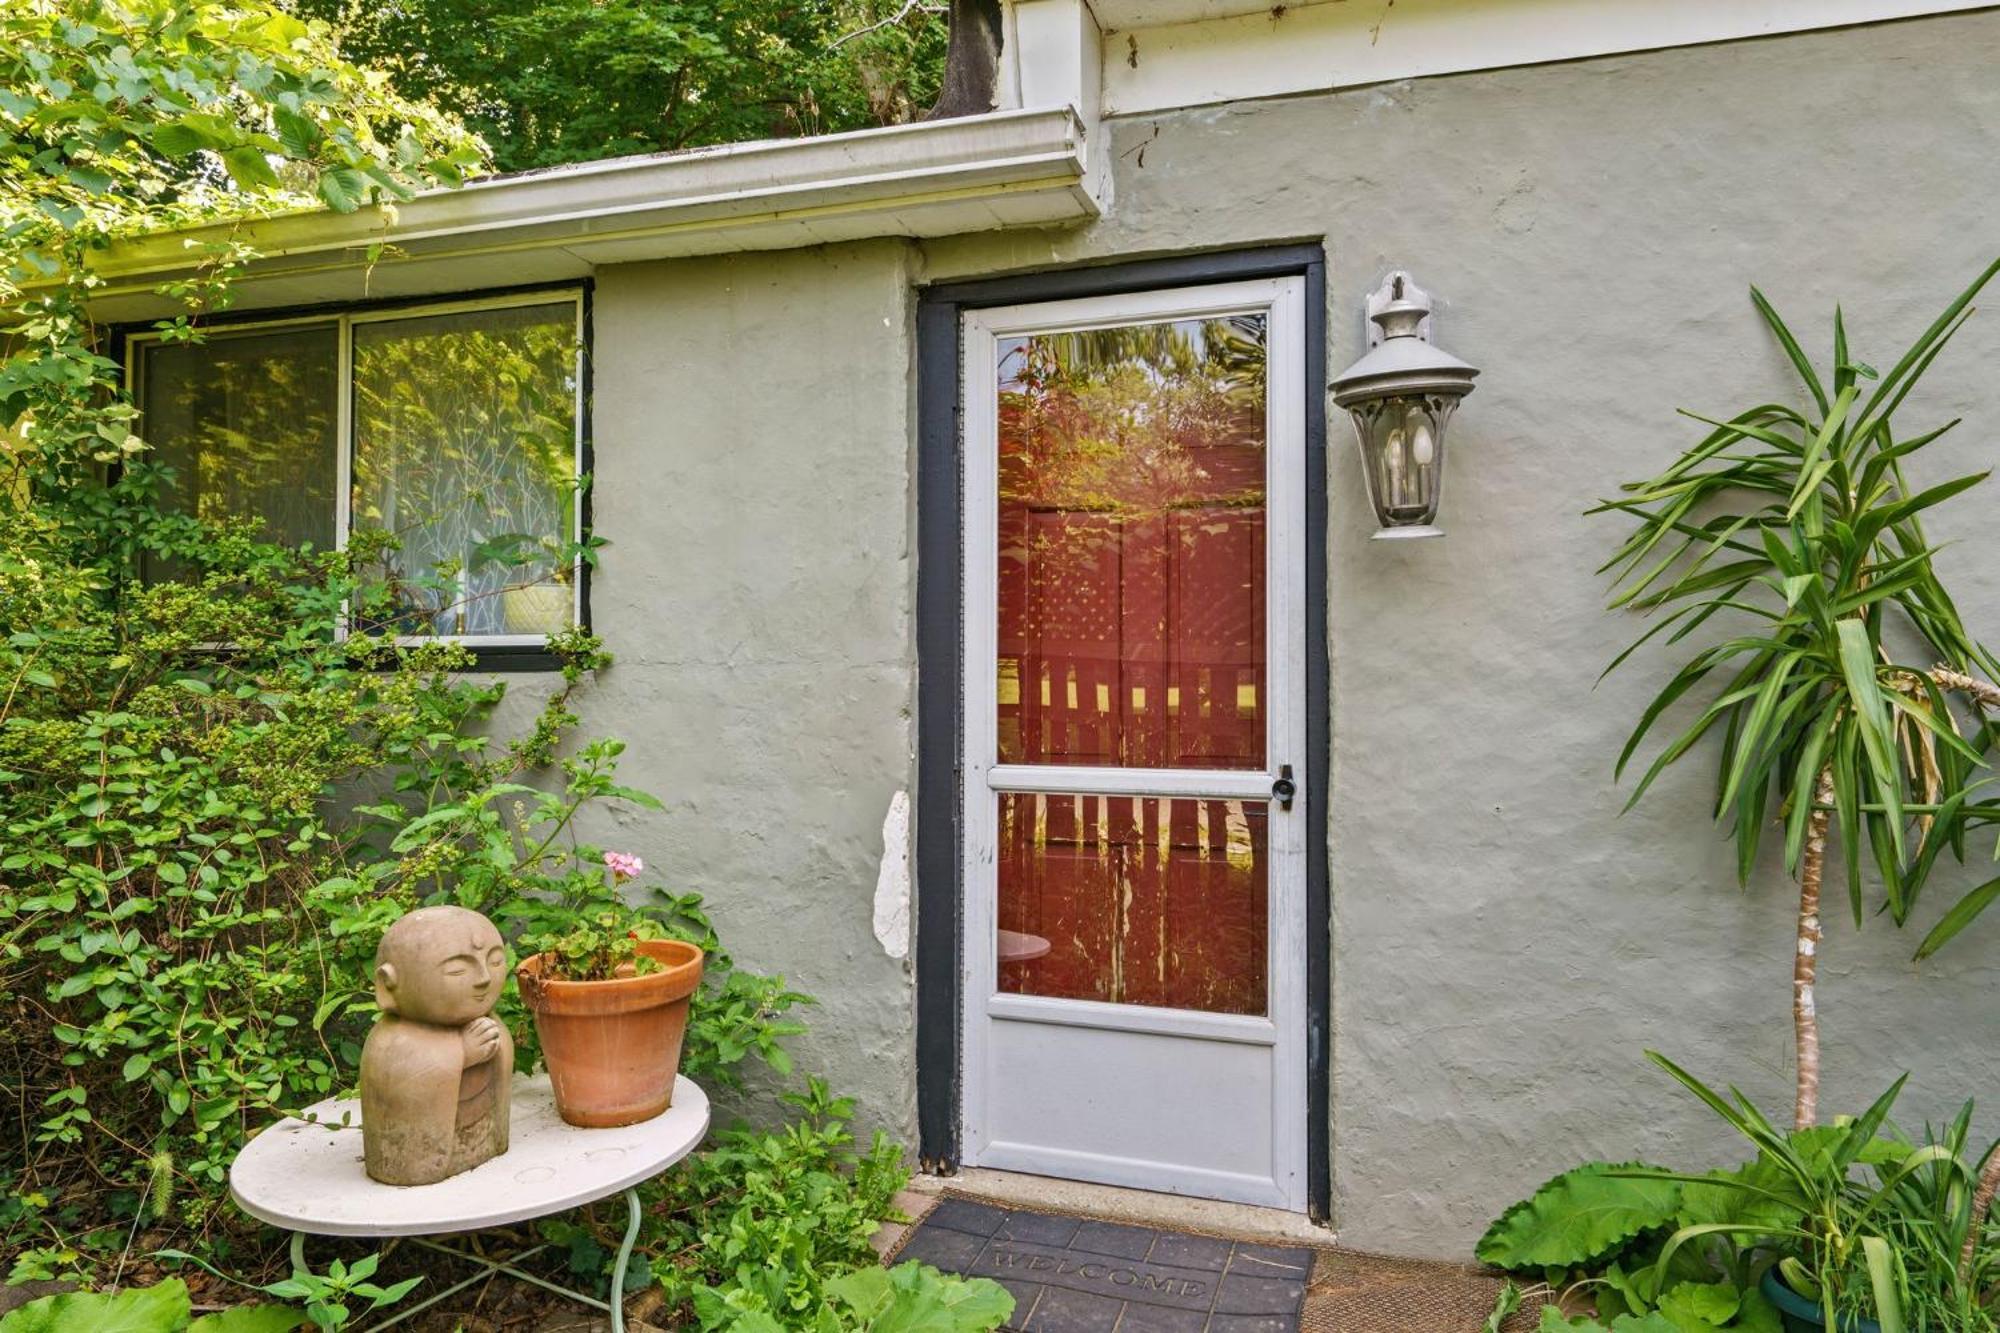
pixel 909 1298
pixel 212 802
pixel 758 1223
pixel 1790 544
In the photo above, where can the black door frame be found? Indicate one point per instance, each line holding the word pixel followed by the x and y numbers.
pixel 940 573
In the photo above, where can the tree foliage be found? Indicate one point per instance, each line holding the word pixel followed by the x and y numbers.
pixel 555 81
pixel 119 118
pixel 125 115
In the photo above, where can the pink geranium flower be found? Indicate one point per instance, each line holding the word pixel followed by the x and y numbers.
pixel 623 865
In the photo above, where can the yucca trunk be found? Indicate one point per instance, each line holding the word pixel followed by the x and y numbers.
pixel 1982 1203
pixel 1805 960
pixel 1979 691
pixel 1985 695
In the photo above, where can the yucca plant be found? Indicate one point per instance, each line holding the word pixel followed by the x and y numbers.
pixel 1793 538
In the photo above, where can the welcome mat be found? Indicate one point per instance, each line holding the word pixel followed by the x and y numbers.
pixel 1074 1275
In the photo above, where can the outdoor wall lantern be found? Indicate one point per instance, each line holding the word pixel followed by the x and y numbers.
pixel 1401 397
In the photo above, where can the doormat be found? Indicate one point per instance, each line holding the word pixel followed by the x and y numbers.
pixel 1076 1275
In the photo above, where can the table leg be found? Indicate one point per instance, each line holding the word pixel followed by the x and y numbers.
pixel 617 1293
pixel 488 1267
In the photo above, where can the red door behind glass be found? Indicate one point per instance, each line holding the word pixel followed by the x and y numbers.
pixel 1131 634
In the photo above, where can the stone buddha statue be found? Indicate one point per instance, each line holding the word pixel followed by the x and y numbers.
pixel 438 1069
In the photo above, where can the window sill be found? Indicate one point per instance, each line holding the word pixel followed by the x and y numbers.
pixel 497 657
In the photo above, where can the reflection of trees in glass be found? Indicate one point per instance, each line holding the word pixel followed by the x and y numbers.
pixel 247 423
pixel 1134 420
pixel 465 453
pixel 1129 424
pixel 1131 633
pixel 1131 476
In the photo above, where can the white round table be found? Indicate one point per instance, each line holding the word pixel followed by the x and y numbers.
pixel 306 1175
pixel 1017 946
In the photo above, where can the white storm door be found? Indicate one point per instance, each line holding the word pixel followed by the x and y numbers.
pixel 1134 956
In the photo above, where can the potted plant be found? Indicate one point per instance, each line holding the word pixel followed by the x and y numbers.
pixel 543 607
pixel 610 999
pixel 540 595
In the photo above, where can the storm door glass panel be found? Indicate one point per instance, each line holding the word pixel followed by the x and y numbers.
pixel 465 453
pixel 1134 900
pixel 247 423
pixel 1131 629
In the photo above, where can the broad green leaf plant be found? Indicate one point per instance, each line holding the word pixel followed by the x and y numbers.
pixel 162 1308
pixel 1790 540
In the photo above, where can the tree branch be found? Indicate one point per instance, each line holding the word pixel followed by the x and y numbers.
pixel 909 7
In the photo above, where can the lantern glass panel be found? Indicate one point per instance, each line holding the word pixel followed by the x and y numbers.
pixel 1402 453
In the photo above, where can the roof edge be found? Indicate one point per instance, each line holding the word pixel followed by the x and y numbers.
pixel 1005 168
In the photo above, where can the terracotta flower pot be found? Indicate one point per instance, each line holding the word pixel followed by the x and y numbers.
pixel 613 1047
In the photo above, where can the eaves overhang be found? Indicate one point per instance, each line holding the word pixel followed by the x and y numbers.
pixel 1000 170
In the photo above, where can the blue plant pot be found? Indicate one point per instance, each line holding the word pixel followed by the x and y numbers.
pixel 1803 1316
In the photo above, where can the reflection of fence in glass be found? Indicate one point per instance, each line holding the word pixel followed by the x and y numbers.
pixel 1131 546
pixel 465 451
pixel 1143 901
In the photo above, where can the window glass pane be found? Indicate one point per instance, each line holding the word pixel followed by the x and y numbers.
pixel 247 422
pixel 1134 900
pixel 1131 545
pixel 465 451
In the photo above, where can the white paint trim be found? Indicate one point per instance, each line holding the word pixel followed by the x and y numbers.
pixel 1283 1032
pixel 1322 47
pixel 1247 1031
pixel 1054 56
pixel 1065 780
pixel 1137 1173
pixel 891 920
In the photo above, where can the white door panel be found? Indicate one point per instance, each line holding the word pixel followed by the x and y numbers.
pixel 1134 957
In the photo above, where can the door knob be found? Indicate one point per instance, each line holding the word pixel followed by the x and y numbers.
pixel 1284 789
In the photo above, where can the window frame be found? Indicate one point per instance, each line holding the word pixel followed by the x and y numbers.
pixel 522 652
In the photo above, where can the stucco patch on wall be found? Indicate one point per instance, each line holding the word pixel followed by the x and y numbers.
pixel 892 882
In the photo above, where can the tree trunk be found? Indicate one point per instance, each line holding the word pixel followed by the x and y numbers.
pixel 971 61
pixel 1805 962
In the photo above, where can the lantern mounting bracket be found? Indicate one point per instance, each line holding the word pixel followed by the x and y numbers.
pixel 1397 287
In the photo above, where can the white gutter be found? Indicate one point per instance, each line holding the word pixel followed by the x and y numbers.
pixel 1008 168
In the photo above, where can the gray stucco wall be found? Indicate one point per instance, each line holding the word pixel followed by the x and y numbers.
pixel 1505 944
pixel 751 474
